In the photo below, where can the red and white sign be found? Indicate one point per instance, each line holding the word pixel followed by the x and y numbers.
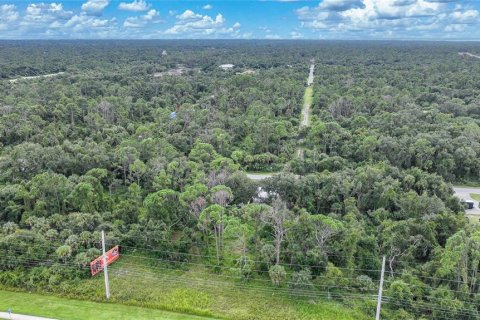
pixel 96 265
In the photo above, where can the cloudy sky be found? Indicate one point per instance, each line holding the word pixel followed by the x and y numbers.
pixel 253 19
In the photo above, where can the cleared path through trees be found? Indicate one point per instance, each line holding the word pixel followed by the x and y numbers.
pixel 469 54
pixel 307 103
pixel 36 77
pixel 305 122
pixel 259 176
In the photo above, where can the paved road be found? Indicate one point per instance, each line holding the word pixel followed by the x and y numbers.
pixel 464 194
pixel 14 316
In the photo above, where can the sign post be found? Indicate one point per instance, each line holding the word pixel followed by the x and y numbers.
pixel 105 269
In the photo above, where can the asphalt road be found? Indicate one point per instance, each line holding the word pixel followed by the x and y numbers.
pixel 14 316
pixel 464 194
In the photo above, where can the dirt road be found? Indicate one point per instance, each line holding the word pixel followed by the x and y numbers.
pixel 259 176
pixel 469 54
pixel 305 122
pixel 36 77
pixel 310 75
pixel 307 103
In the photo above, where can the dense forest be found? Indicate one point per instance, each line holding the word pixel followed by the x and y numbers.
pixel 150 141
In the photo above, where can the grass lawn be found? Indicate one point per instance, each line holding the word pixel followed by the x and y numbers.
pixel 60 308
pixel 475 196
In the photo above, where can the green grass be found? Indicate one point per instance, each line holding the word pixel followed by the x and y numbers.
pixel 466 184
pixel 473 219
pixel 198 290
pixel 68 309
pixel 475 196
pixel 308 96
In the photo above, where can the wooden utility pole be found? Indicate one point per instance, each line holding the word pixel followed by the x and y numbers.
pixel 105 271
pixel 380 289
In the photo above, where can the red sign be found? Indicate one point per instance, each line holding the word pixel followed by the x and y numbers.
pixel 96 265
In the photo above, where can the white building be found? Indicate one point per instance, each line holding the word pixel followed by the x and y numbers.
pixel 227 66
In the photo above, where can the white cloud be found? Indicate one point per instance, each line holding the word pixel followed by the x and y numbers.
pixel 189 15
pixel 341 5
pixel 296 35
pixel 191 24
pixel 455 28
pixel 95 7
pixel 83 22
pixel 386 18
pixel 39 14
pixel 141 21
pixel 272 36
pixel 136 5
pixel 8 15
pixel 469 16
pixel 207 7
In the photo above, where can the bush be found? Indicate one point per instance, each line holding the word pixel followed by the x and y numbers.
pixel 277 274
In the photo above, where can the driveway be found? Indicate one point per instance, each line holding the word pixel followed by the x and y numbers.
pixel 464 194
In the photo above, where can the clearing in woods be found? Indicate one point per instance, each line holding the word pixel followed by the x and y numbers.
pixel 307 103
pixel 304 122
pixel 469 54
pixel 37 77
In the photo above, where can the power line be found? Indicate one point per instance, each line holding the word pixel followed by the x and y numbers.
pixel 427 306
pixel 215 283
pixel 144 269
pixel 264 289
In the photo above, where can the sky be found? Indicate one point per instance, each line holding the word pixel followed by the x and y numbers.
pixel 231 19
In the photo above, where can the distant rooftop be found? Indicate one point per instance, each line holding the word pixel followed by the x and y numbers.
pixel 226 66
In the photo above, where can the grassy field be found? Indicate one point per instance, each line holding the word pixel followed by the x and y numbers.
pixel 194 290
pixel 475 196
pixel 68 309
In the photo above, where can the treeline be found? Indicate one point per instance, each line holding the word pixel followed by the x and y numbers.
pixel 157 161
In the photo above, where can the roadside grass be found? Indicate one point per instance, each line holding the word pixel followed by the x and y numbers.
pixel 199 290
pixel 467 184
pixel 475 196
pixel 69 309
pixel 137 279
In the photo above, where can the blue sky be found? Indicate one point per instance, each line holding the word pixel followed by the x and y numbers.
pixel 254 19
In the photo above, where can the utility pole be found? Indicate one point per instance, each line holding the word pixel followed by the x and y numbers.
pixel 105 271
pixel 380 289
